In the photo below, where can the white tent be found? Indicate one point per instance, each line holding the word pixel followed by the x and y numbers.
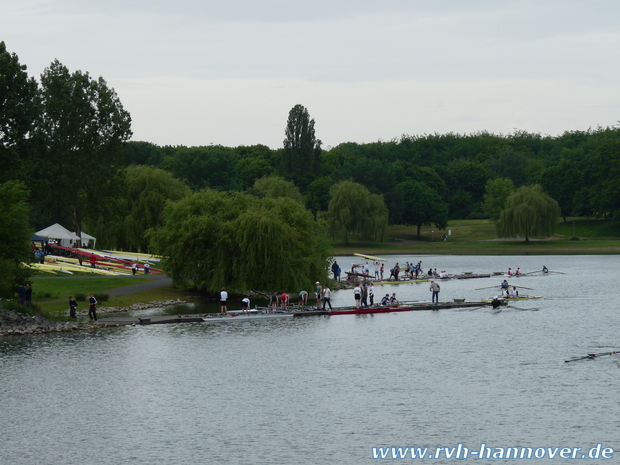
pixel 88 240
pixel 61 234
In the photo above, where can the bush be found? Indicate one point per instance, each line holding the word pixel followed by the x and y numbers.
pixel 80 297
pixel 102 297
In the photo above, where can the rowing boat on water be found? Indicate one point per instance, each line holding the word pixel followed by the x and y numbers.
pixel 248 317
pixel 364 311
pixel 521 297
pixel 407 281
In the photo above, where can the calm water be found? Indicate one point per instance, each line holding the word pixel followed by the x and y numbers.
pixel 322 390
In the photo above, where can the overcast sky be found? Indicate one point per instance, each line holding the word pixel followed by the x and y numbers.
pixel 200 72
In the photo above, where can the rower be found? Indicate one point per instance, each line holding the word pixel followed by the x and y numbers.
pixel 504 285
pixel 545 269
pixel 496 303
pixel 509 272
pixel 514 292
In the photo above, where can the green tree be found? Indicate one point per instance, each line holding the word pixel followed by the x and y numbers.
pixel 497 191
pixel 528 212
pixel 84 126
pixel 561 182
pixel 233 240
pixel 202 167
pixel 15 234
pixel 144 192
pixel 353 210
pixel 421 205
pixel 302 150
pixel 19 111
pixel 274 187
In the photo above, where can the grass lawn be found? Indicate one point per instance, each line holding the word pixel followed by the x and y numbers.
pixel 478 237
pixel 52 294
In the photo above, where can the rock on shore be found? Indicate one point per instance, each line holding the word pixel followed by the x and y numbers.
pixel 14 323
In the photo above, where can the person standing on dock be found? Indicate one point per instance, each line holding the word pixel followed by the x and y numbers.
pixel 245 305
pixel 223 303
pixel 303 299
pixel 274 302
pixel 134 268
pixel 318 295
pixel 382 269
pixel 357 293
pixel 371 294
pixel 435 290
pixel 284 300
pixel 327 297
pixel 364 295
pixel 92 307
pixel 93 260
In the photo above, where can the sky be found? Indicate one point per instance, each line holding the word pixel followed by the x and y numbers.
pixel 202 72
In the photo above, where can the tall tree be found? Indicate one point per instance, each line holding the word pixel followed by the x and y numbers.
pixel 19 110
pixel 302 150
pixel 421 205
pixel 15 234
pixel 561 182
pixel 528 212
pixel 353 210
pixel 83 128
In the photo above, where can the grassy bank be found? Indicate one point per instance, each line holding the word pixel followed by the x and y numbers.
pixel 51 295
pixel 477 237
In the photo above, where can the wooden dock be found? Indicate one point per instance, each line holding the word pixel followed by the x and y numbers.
pixel 195 318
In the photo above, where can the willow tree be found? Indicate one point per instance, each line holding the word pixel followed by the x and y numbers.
pixel 215 239
pixel 528 212
pixel 353 210
pixel 274 187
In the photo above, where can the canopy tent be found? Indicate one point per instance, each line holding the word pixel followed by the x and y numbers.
pixel 63 236
pixel 88 240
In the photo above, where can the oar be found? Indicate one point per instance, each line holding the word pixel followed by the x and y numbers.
pixel 557 272
pixel 482 288
pixel 591 356
pixel 523 287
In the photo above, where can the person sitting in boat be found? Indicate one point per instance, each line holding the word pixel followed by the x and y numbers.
pixel 394 300
pixel 518 272
pixel 386 300
pixel 545 269
pixel 514 293
pixel 505 294
pixel 504 285
pixel 496 303
pixel 509 272
pixel 430 272
pixel 443 275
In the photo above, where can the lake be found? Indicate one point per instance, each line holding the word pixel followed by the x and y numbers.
pixel 326 390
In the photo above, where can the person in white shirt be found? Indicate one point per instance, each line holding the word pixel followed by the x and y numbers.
pixel 245 305
pixel 327 295
pixel 357 292
pixel 223 299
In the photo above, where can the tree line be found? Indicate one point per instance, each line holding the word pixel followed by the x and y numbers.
pixel 67 157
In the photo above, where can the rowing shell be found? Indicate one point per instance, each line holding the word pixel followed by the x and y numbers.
pixel 268 316
pixel 369 257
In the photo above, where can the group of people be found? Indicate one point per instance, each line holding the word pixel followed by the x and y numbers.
pixel 24 295
pixel 135 268
pixel 363 293
pixel 508 291
pixel 92 307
